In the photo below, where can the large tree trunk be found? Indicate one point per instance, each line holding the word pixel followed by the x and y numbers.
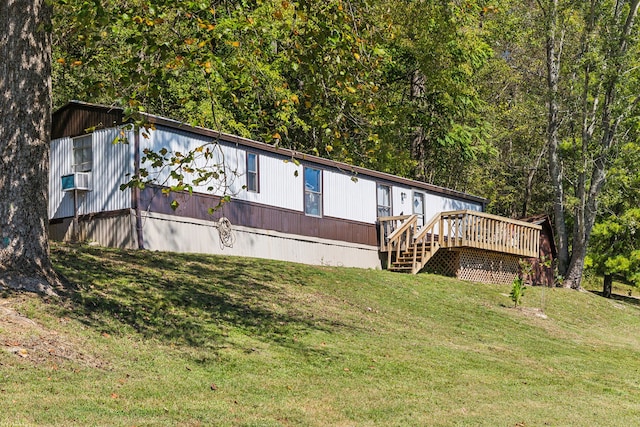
pixel 553 125
pixel 588 195
pixel 607 286
pixel 587 191
pixel 25 122
pixel 418 151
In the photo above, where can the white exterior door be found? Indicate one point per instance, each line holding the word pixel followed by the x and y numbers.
pixel 418 207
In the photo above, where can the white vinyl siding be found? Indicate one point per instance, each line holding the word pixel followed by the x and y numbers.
pixel 402 200
pixel 60 203
pixel 280 180
pixel 111 164
pixel 348 198
pixel 227 162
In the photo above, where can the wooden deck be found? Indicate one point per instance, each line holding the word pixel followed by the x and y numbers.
pixel 410 247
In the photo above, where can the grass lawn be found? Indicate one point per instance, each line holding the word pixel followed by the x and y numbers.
pixel 152 339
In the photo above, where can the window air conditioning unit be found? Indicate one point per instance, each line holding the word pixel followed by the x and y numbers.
pixel 77 181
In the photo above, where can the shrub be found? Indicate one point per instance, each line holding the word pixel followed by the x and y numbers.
pixel 517 291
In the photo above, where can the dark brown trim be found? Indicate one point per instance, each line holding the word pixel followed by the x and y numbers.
pixel 102 116
pixel 259 216
pixel 77 118
pixel 87 217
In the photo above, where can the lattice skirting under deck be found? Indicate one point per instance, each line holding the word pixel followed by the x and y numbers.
pixel 475 265
pixel 444 262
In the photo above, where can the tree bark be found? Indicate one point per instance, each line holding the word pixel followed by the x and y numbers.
pixel 25 123
pixel 587 191
pixel 418 151
pixel 588 207
pixel 553 125
pixel 607 286
pixel 528 189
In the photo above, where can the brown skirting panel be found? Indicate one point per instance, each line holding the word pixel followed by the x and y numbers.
pixel 260 216
pixel 112 229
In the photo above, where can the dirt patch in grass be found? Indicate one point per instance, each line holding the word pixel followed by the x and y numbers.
pixel 29 340
pixel 535 312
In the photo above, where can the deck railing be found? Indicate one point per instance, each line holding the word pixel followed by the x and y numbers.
pixel 463 228
pixel 491 232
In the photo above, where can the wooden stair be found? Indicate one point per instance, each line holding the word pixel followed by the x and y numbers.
pixel 409 247
pixel 413 259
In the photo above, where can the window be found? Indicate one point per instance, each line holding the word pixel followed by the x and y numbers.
pixel 82 153
pixel 384 200
pixel 312 191
pixel 252 172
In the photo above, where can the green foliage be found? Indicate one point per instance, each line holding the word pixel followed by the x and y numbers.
pixel 429 96
pixel 514 176
pixel 615 246
pixel 517 291
pixel 329 78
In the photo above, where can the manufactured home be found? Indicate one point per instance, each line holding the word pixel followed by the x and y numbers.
pixel 283 204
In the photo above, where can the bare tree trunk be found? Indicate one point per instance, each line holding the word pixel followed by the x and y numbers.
pixel 553 125
pixel 528 189
pixel 587 191
pixel 418 151
pixel 588 208
pixel 25 122
pixel 607 286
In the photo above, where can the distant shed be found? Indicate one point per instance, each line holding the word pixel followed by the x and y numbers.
pixel 542 274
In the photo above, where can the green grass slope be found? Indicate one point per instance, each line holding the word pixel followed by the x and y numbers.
pixel 154 339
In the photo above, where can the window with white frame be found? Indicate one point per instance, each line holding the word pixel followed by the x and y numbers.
pixel 384 200
pixel 252 173
pixel 82 153
pixel 312 191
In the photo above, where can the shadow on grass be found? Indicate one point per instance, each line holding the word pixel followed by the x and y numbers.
pixel 623 298
pixel 196 300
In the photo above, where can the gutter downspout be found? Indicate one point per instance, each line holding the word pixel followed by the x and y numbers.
pixel 136 190
pixel 75 232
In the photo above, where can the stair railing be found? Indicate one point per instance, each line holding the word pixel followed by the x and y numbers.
pixel 400 238
pixel 463 228
pixel 387 226
pixel 429 233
